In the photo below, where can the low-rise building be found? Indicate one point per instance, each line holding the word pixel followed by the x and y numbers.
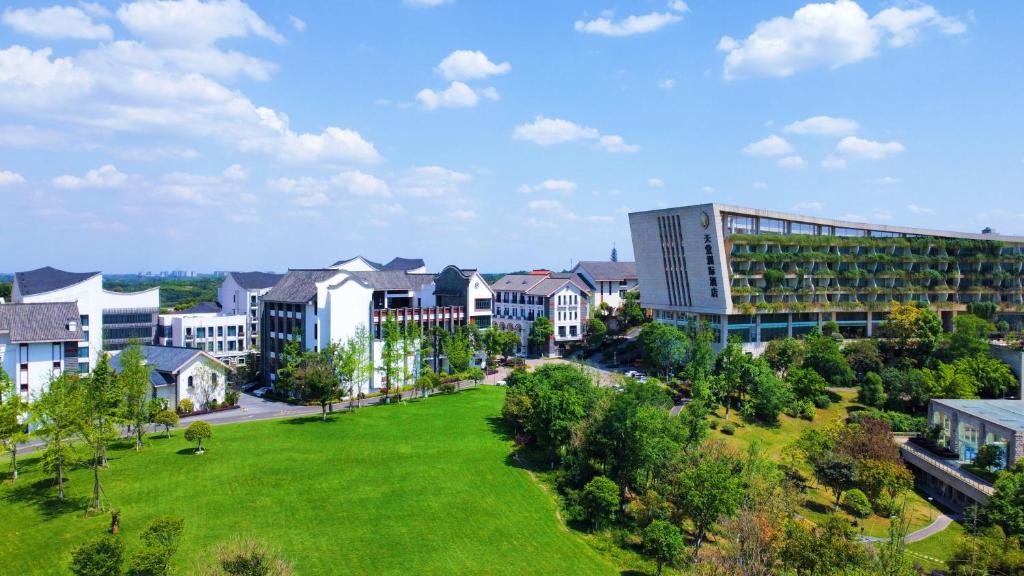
pixel 562 298
pixel 206 327
pixel 465 287
pixel 608 281
pixel 180 373
pixel 241 293
pixel 39 342
pixel 108 320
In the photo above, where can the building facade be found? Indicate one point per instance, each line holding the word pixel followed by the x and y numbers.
pixel 183 373
pixel 608 281
pixel 564 299
pixel 456 286
pixel 206 327
pixel 758 275
pixel 109 320
pixel 241 293
pixel 39 342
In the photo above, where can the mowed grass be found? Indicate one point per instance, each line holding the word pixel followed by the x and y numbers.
pixel 419 488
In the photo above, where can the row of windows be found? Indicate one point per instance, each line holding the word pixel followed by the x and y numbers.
pixel 144 333
pixel 203 332
pixel 519 298
pixel 128 317
pixel 568 299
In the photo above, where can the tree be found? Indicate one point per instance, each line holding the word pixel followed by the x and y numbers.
pixel 390 353
pixel 159 545
pixel 12 429
pixel 993 379
pixel 823 356
pixel 912 328
pixel 970 337
pixel 838 474
pixel 879 478
pixel 830 547
pixel 664 542
pixel 730 366
pixel 58 411
pixel 315 378
pixel 945 381
pixel 601 500
pixel 541 330
pixel 664 347
pixel 247 558
pixel 206 380
pixel 476 374
pixel 133 381
pixel 427 381
pixel 458 349
pixel 631 313
pixel 597 331
pixel 989 456
pixel 1006 506
pixel 103 402
pixel 784 355
pixel 806 383
pixel 168 419
pixel 768 395
pixel 197 432
pixel 358 347
pixel 872 391
pixel 714 466
pixel 863 357
pixel 700 366
pixel 857 503
pixel 102 557
pixel 409 344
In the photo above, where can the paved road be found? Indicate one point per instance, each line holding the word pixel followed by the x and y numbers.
pixel 941 523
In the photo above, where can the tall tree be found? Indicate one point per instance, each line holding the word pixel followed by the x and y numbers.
pixel 315 378
pixel 58 411
pixel 135 387
pixel 784 354
pixel 730 366
pixel 410 339
pixel 358 349
pixel 391 353
pixel 206 380
pixel 664 347
pixel 663 542
pixel 12 427
pixel 541 331
pixel 709 486
pixel 102 401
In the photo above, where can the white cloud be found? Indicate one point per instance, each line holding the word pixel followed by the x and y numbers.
pixel 547 131
pixel 432 181
pixel 655 183
pixel 543 205
pixel 56 22
pixel 708 189
pixel 470 65
pixel 457 95
pixel 868 149
pixel 298 23
pixel 773 145
pixel 426 3
pixel 823 125
pixel 667 84
pixel 305 191
pixel 8 178
pixel 920 210
pixel 791 162
pixel 812 206
pixel 462 215
pixel 191 22
pixel 758 185
pixel 563 186
pixel 235 172
pixel 631 25
pixel 361 184
pixel 331 144
pixel 887 181
pixel 29 78
pixel 833 162
pixel 106 176
pixel 828 35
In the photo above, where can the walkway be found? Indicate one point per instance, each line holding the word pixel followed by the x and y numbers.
pixel 941 523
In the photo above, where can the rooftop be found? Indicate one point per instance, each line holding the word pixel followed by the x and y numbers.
pixel 392 279
pixel 48 279
pixel 299 286
pixel 256 280
pixel 200 308
pixel 167 359
pixel 43 322
pixel 1007 413
pixel 608 271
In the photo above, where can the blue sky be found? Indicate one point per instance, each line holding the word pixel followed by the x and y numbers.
pixel 156 135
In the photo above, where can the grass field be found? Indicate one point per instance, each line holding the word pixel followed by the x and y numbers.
pixel 420 488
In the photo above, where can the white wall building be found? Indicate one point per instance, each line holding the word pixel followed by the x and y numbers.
pixel 564 299
pixel 206 327
pixel 241 293
pixel 109 320
pixel 39 342
pixel 179 373
pixel 608 281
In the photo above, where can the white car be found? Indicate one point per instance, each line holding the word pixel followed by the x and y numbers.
pixel 500 383
pixel 261 392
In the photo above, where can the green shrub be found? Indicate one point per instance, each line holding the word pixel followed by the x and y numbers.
pixel 231 397
pixel 822 401
pixel 185 406
pixel 857 503
pixel 897 421
pixel 728 428
pixel 713 424
pixel 98 558
pixel 886 506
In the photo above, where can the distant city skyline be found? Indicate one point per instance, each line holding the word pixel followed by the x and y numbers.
pixel 165 135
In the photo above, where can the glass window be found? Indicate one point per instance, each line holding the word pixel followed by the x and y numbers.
pixel 83 367
pixel 200 332
pixel 220 331
pixel 232 331
pixel 772 226
pixel 739 224
pixel 803 228
pixel 849 232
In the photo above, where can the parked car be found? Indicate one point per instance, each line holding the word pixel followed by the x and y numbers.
pixel 500 383
pixel 261 392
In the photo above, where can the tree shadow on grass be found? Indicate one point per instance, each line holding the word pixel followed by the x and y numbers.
pixel 818 507
pixel 633 573
pixel 42 494
pixel 313 419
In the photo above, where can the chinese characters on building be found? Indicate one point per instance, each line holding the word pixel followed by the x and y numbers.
pixel 712 272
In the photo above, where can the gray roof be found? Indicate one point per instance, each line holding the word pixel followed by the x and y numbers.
pixel 48 279
pixel 1006 413
pixel 375 265
pixel 608 271
pixel 392 280
pixel 44 322
pixel 201 308
pixel 167 359
pixel 298 286
pixel 518 282
pixel 256 280
pixel 398 263
pixel 550 285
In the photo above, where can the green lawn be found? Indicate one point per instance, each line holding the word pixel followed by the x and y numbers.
pixel 941 546
pixel 421 488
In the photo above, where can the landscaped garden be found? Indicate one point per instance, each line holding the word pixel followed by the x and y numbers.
pixel 424 487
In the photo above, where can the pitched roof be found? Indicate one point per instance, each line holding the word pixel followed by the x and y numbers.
pixel 201 308
pixel 256 280
pixel 44 322
pixel 48 279
pixel 399 263
pixel 518 282
pixel 608 271
pixel 550 285
pixel 392 279
pixel 167 359
pixel 299 286
pixel 374 265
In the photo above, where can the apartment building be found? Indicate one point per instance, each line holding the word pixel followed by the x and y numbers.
pixel 39 342
pixel 608 281
pixel 758 275
pixel 240 293
pixel 206 327
pixel 563 298
pixel 465 287
pixel 108 320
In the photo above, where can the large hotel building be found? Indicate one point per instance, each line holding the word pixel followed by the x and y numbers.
pixel 760 275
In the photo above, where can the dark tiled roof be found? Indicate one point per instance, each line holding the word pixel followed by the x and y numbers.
pixel 168 359
pixel 392 280
pixel 48 279
pixel 550 285
pixel 256 280
pixel 298 286
pixel 607 271
pixel 374 265
pixel 201 308
pixel 45 322
pixel 398 263
pixel 518 282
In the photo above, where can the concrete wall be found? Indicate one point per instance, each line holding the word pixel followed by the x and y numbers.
pixel 1015 358
pixel 40 365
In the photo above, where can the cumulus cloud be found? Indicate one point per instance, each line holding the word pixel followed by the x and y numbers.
pixel 667 84
pixel 823 126
pixel 31 79
pixel 470 65
pixel 791 162
pixel 432 181
pixel 833 162
pixel 106 176
pixel 457 95
pixel 544 205
pixel 812 206
pixel 829 35
pixel 550 185
pixel 304 191
pixel 606 25
pixel 545 131
pixel 297 23
pixel 773 145
pixel 56 22
pixel 868 149
pixel 8 178
pixel 191 22
pixel 361 184
pixel 655 183
pixel 920 210
pixel 426 3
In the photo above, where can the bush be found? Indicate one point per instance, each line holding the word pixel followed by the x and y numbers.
pixel 822 401
pixel 185 406
pixel 98 558
pixel 713 424
pixel 728 428
pixel 897 421
pixel 231 397
pixel 197 432
pixel 857 503
pixel 886 506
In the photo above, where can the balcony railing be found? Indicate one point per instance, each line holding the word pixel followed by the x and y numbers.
pixel 421 315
